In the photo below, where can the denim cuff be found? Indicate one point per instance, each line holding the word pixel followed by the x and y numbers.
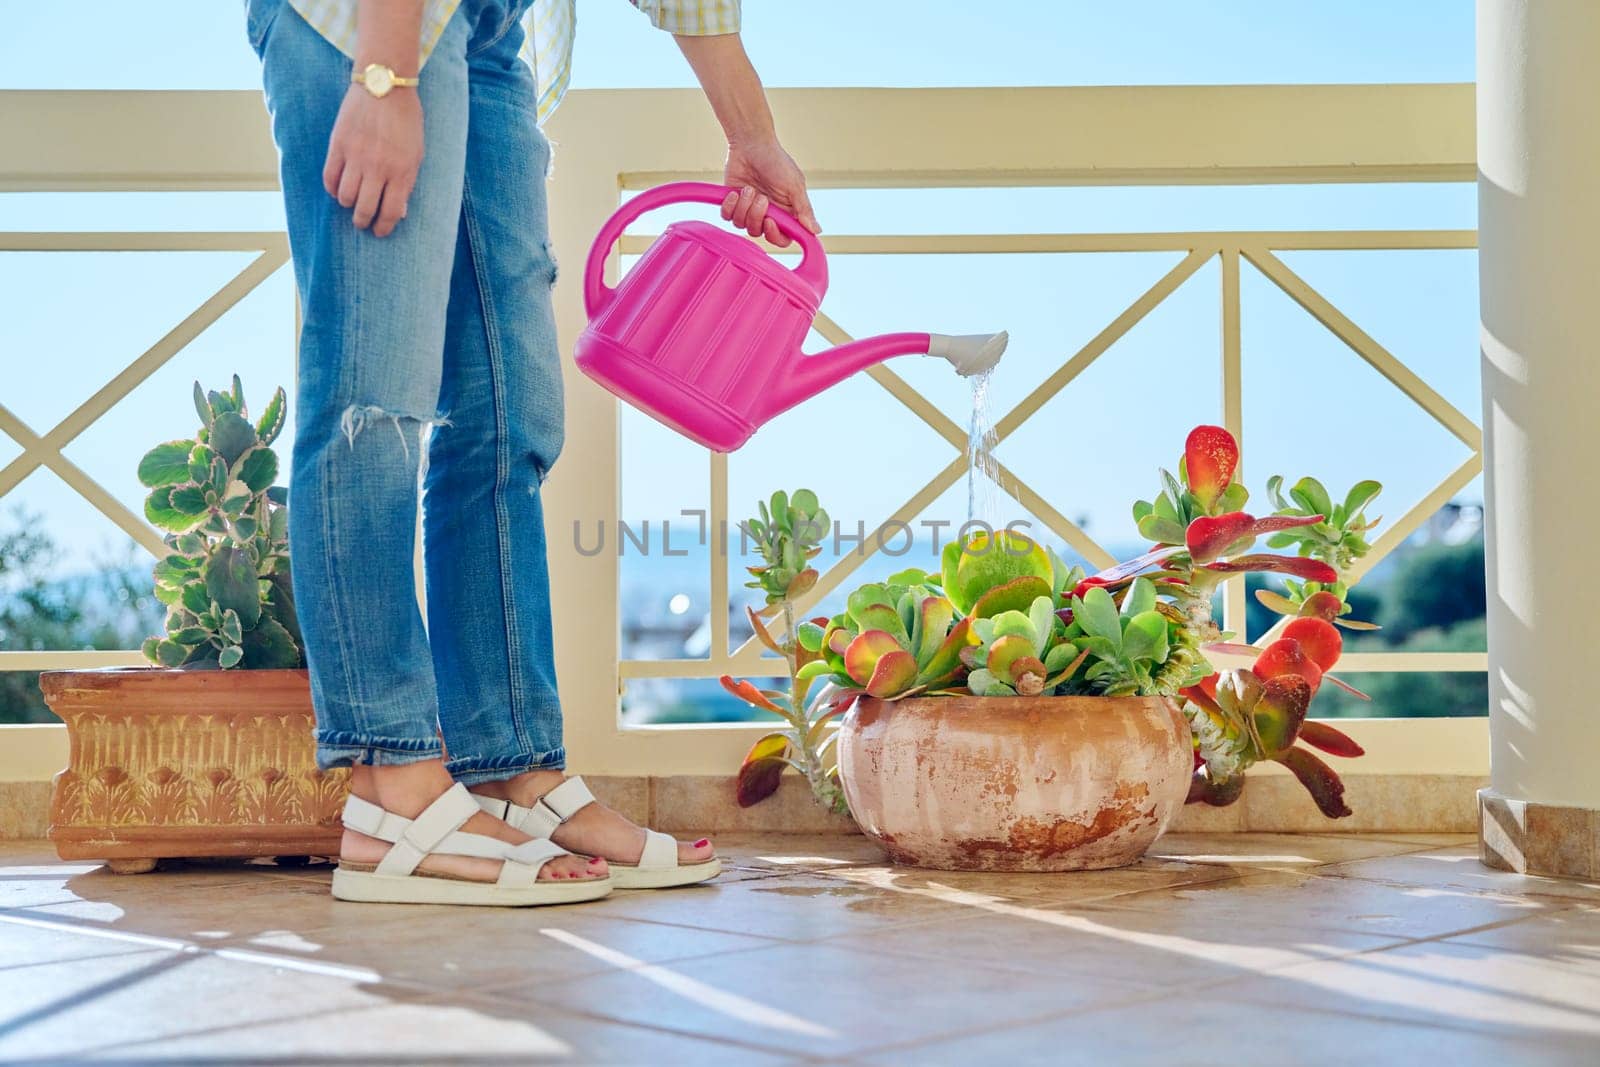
pixel 343 748
pixel 470 770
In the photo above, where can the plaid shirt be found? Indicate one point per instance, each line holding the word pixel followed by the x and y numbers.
pixel 550 25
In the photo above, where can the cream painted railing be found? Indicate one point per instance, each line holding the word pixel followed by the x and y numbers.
pixel 614 141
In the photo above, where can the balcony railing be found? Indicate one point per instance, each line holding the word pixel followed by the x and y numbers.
pixel 611 142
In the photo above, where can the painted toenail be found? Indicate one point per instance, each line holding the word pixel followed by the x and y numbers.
pixel 594 860
pixel 702 843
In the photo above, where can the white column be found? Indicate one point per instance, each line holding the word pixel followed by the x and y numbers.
pixel 1539 218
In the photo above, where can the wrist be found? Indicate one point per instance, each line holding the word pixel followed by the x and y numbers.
pixel 751 136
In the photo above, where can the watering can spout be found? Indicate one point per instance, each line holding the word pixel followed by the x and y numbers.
pixel 810 375
pixel 970 354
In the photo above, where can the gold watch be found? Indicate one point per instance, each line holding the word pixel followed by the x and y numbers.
pixel 378 79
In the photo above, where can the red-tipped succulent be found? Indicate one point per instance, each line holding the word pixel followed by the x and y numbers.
pixel 1244 716
pixel 1205 536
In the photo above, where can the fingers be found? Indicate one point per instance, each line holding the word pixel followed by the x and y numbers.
pixel 349 187
pixel 803 213
pixel 756 218
pixel 333 170
pixel 367 201
pixel 775 236
pixel 396 197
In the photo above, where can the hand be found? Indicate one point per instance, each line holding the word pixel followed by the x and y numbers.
pixel 765 176
pixel 374 155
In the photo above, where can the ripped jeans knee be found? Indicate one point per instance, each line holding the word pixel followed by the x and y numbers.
pixel 357 417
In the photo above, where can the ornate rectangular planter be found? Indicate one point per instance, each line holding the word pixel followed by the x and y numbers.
pixel 169 763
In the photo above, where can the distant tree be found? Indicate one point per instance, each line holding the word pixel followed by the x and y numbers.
pixel 112 607
pixel 1435 587
pixel 1420 694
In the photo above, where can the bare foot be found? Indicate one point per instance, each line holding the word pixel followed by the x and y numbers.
pixel 595 830
pixel 408 789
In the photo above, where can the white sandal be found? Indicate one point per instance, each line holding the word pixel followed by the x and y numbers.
pixel 437 831
pixel 658 866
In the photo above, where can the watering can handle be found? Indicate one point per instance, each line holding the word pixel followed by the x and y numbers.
pixel 813 268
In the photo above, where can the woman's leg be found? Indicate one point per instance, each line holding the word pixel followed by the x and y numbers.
pixel 371 353
pixel 488 584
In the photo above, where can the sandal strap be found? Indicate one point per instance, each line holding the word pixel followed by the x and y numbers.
pixel 660 850
pixel 525 861
pixel 437 831
pixel 547 813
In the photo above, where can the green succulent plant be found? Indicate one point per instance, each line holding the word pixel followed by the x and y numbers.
pixel 788 535
pixel 225 580
pixel 1338 539
pixel 1022 653
pixel 1127 643
pixel 893 639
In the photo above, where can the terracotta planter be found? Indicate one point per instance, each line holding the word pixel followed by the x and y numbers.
pixel 189 763
pixel 1015 783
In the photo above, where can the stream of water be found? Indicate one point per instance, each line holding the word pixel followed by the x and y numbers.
pixel 983 471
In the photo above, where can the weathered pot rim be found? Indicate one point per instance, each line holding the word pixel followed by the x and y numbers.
pixel 1021 705
pixel 56 682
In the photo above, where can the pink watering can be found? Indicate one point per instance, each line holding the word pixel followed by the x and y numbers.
pixel 704 333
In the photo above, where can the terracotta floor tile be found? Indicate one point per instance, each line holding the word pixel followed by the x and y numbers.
pixel 803 907
pixel 829 999
pixel 476 1030
pixel 1448 984
pixel 66 1008
pixel 26 941
pixel 1072 941
pixel 1565 935
pixel 796 852
pixel 1216 1028
pixel 1305 901
pixel 1279 850
pixel 465 948
pixel 1458 867
pixel 1148 874
pixel 190 907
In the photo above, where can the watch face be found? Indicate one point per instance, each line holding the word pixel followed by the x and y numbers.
pixel 379 80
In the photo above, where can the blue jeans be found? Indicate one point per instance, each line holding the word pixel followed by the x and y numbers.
pixel 428 359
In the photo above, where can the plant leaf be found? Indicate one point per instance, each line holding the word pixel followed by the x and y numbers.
pixel 946 660
pixel 1361 494
pixel 1161 530
pixel 762 769
pixel 230 579
pixel 257 468
pixel 1096 612
pixel 1015 595
pixel 1320 781
pixel 272 418
pixel 894 673
pixel 1146 638
pixel 1310 495
pixel 1140 598
pixel 748 693
pixel 270 646
pixel 1318 639
pixel 762 633
pixel 165 464
pixel 1319 734
pixel 1300 566
pixel 1210 458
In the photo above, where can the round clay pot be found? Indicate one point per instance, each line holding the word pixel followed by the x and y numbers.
pixel 1015 783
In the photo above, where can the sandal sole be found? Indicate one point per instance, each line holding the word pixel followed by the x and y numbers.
pixel 664 877
pixel 368 888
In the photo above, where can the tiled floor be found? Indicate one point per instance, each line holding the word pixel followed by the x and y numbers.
pixel 1231 949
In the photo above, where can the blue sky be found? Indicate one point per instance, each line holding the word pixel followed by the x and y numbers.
pixel 1090 452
